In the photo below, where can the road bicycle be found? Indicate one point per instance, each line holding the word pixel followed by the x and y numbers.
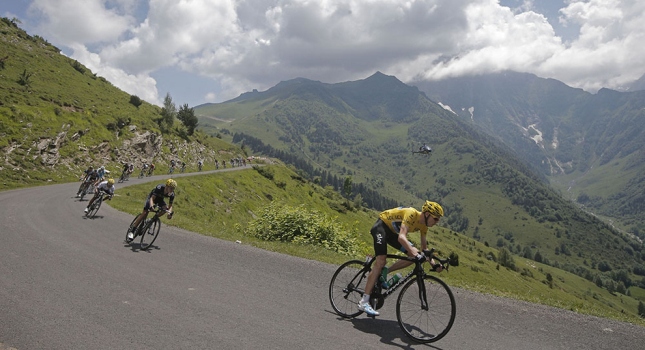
pixel 94 208
pixel 85 188
pixel 125 175
pixel 148 229
pixel 425 307
pixel 142 173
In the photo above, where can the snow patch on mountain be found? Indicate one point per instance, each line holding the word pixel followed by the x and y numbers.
pixel 446 107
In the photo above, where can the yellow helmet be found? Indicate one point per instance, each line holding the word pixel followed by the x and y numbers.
pixel 433 208
pixel 171 183
pixel 110 182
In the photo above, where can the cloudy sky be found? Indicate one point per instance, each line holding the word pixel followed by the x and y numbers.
pixel 212 50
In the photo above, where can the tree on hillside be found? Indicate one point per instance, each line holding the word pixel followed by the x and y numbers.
pixel 347 187
pixel 187 116
pixel 168 113
pixel 135 101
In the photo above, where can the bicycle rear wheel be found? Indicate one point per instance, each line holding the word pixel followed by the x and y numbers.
pixel 426 325
pixel 345 288
pixel 84 192
pixel 149 233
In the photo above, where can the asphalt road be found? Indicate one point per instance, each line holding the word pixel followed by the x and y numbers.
pixel 67 282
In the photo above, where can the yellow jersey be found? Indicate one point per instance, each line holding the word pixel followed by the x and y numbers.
pixel 409 217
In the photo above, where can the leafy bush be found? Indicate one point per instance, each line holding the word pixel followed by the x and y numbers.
pixel 135 101
pixel 78 66
pixel 301 226
pixel 264 171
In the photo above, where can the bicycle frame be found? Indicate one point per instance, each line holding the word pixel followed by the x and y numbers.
pixel 417 271
pixel 425 306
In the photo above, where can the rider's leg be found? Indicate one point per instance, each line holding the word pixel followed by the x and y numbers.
pixel 92 201
pixel 142 216
pixel 399 264
pixel 393 240
pixel 379 233
pixel 374 275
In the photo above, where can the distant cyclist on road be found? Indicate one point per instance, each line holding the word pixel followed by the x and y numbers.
pixel 101 173
pixel 89 177
pixel 392 227
pixel 156 196
pixel 105 187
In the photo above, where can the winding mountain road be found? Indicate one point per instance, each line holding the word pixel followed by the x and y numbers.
pixel 67 282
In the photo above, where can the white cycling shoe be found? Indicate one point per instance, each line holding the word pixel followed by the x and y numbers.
pixel 367 308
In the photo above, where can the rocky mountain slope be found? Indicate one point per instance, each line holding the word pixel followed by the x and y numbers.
pixel 591 146
pixel 57 117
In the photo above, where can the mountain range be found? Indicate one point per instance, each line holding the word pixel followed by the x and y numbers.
pixel 590 146
pixel 495 187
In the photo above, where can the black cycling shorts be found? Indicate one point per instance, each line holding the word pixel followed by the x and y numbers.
pixel 383 236
pixel 159 202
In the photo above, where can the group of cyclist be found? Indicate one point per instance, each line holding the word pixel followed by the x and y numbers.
pixel 156 197
pixel 90 179
pixel 127 170
pixel 234 162
pixel 147 170
pixel 391 228
pixel 93 180
pixel 175 163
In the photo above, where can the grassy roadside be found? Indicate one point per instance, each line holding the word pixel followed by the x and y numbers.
pixel 223 205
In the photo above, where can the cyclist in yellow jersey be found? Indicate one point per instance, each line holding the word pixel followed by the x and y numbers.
pixel 392 227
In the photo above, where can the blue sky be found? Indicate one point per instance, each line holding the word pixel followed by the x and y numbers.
pixel 202 51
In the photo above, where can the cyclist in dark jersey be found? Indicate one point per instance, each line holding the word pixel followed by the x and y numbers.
pixel 157 196
pixel 89 177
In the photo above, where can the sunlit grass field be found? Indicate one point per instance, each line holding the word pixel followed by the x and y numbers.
pixel 223 204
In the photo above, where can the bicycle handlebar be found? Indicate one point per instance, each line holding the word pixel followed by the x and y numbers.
pixel 430 255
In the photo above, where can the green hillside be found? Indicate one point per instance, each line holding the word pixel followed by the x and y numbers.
pixel 489 194
pixel 212 205
pixel 57 117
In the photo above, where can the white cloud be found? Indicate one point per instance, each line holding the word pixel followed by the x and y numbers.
pixel 88 21
pixel 248 44
pixel 608 52
pixel 141 85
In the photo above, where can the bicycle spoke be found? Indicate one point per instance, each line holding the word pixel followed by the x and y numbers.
pixel 346 288
pixel 428 324
pixel 149 233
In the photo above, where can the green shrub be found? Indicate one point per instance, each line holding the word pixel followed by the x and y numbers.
pixel 301 226
pixel 264 171
pixel 135 101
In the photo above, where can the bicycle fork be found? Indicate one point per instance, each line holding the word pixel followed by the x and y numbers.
pixel 422 294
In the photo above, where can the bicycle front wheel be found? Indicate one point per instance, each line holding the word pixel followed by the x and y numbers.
pixel 345 289
pixel 95 207
pixel 428 321
pixel 150 233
